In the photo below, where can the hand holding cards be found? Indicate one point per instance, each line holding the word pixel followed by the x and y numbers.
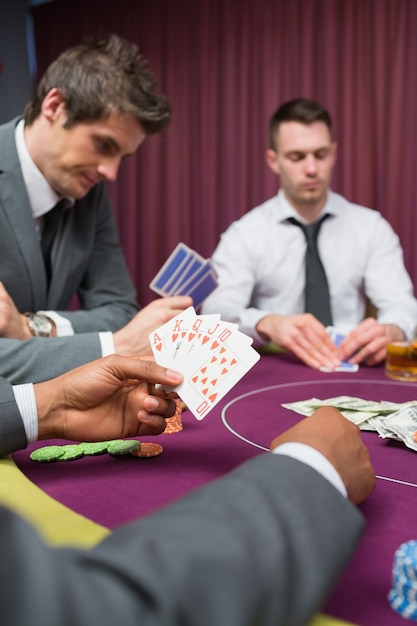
pixel 337 338
pixel 185 273
pixel 212 354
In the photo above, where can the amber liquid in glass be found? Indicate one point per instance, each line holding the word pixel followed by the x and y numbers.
pixel 401 361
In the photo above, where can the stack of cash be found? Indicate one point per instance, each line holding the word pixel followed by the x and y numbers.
pixel 391 420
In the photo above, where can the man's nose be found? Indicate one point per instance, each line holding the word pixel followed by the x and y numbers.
pixel 108 169
pixel 311 164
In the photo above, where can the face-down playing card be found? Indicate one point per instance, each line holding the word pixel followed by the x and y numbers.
pixel 337 337
pixel 185 272
pixel 191 268
pixel 203 287
pixel 172 268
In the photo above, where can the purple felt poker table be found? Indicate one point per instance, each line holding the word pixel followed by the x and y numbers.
pixel 114 490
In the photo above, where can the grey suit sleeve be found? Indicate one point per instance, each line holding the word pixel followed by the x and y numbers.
pixel 12 431
pixel 38 359
pixel 260 546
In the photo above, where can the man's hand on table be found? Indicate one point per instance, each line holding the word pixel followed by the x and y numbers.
pixel 303 335
pixel 339 441
pixel 367 343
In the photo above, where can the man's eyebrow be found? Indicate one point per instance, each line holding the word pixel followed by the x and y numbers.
pixel 304 152
pixel 295 152
pixel 107 139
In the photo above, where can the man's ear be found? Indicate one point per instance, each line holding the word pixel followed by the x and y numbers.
pixel 271 159
pixel 53 104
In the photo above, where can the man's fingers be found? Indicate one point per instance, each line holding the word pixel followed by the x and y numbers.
pixel 141 369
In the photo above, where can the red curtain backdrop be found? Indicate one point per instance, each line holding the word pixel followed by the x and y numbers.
pixel 226 65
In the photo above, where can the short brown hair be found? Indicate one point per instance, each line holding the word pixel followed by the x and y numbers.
pixel 301 110
pixel 100 77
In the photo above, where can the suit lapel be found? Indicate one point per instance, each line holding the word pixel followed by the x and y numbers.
pixel 15 204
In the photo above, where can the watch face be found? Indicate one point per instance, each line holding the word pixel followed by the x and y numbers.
pixel 39 325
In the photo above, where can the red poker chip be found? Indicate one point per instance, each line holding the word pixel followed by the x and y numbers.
pixel 148 450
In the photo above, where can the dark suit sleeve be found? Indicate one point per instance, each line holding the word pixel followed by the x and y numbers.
pixel 12 431
pixel 263 545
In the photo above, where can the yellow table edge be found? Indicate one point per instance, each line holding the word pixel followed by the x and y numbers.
pixel 58 525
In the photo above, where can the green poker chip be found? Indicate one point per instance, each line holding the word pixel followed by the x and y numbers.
pixel 71 452
pixel 95 447
pixel 47 454
pixel 125 446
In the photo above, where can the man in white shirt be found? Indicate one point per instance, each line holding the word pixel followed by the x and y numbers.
pixel 260 259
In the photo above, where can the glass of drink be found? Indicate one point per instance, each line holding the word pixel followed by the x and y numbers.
pixel 401 361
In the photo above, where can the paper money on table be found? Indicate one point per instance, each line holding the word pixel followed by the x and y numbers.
pixel 393 420
pixel 403 424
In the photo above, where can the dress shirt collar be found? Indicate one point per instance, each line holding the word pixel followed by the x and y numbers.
pixel 42 198
pixel 286 210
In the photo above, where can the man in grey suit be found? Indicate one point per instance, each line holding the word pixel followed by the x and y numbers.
pixel 259 546
pixel 94 105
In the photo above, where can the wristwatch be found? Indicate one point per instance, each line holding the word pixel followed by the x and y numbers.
pixel 39 324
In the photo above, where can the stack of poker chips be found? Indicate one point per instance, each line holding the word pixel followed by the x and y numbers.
pixel 403 594
pixel 174 424
pixel 115 447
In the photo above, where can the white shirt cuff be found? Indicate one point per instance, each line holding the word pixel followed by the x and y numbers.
pixel 26 403
pixel 316 460
pixel 63 326
pixel 107 343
